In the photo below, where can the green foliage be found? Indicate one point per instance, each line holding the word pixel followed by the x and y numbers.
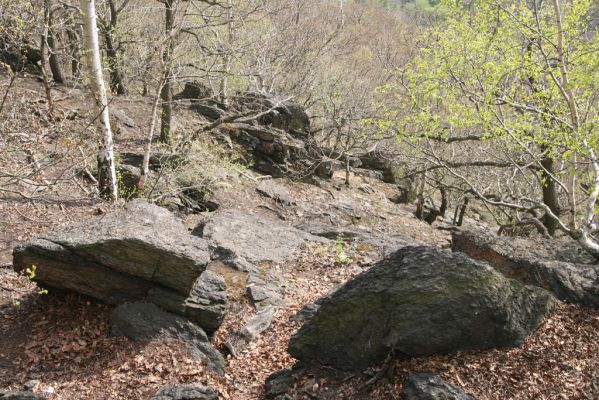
pixel 494 70
pixel 30 273
pixel 340 257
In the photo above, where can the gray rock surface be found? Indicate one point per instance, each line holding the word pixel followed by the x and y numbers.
pixel 117 257
pixel 206 304
pixel 368 242
pixel 194 90
pixel 278 383
pixel 275 191
pixel 145 321
pixel 8 395
pixel 239 340
pixel 431 387
pixel 122 117
pixel 241 236
pixel 332 231
pixel 556 265
pixel 265 288
pixel 281 114
pixel 419 301
pixel 190 391
pixel 208 109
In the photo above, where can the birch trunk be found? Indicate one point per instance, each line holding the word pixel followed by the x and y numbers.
pixel 106 167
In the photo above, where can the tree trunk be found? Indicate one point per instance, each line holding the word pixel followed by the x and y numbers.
pixel 224 85
pixel 57 74
pixel 117 78
pixel 550 195
pixel 166 93
pixel 462 213
pixel 444 202
pixel 106 167
pixel 420 205
pixel 44 59
pixel 73 45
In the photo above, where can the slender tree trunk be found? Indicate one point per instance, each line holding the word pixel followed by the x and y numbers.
pixel 566 90
pixel 224 87
pixel 460 220
pixel 57 74
pixel 420 204
pixel 106 167
pixel 117 78
pixel 347 171
pixel 73 45
pixel 166 93
pixel 550 195
pixel 444 202
pixel 44 59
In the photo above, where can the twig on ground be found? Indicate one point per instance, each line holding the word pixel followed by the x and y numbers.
pixel 386 370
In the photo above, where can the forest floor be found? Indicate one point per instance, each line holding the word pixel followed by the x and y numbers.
pixel 59 344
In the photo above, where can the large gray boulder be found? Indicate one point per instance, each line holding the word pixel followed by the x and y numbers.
pixel 117 257
pixel 419 301
pixel 431 387
pixel 145 321
pixel 556 265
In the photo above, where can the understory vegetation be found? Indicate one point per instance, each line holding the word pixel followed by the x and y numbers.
pixel 491 103
pixel 299 199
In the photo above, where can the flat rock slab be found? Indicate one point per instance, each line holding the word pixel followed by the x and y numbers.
pixel 240 339
pixel 362 240
pixel 117 257
pixel 556 265
pixel 7 395
pixel 431 387
pixel 190 391
pixel 419 301
pixel 244 237
pixel 275 191
pixel 145 321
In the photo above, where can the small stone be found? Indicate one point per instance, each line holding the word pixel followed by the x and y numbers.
pixel 431 387
pixel 31 385
pixel 191 391
pixel 239 340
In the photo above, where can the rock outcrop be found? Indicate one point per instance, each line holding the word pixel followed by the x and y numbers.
pixel 206 304
pixel 244 239
pixel 189 391
pixel 117 257
pixel 419 301
pixel 431 387
pixel 274 131
pixel 145 321
pixel 275 191
pixel 558 266
pixel 8 395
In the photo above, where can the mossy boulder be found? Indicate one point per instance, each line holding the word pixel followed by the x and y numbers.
pixel 117 257
pixel 419 301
